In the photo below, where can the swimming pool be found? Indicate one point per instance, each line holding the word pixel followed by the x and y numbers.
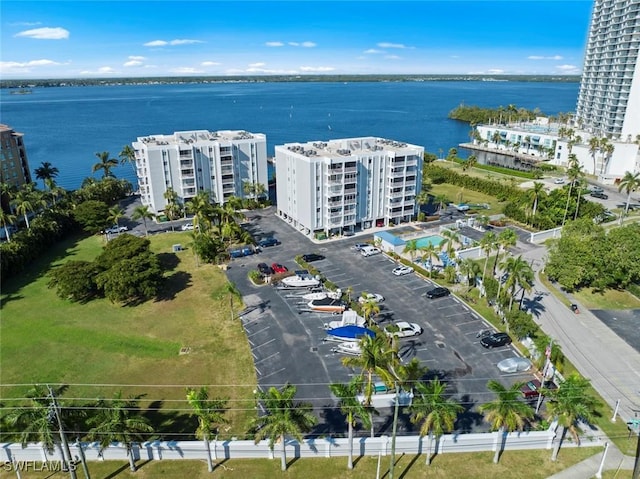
pixel 435 240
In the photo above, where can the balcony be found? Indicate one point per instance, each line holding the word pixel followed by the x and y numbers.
pixel 228 189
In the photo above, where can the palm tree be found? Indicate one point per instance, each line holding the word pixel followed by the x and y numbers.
pixel 630 182
pixel 488 243
pixel 607 150
pixel 105 164
pixel 506 413
pixel 119 420
pixel 370 309
pixel 23 202
pixel 422 198
pixel 434 410
pixel 506 238
pixel 143 213
pixel 470 163
pixel 128 156
pixel 471 270
pixel 6 219
pixel 411 247
pixel 571 403
pixel 594 147
pixel 210 414
pixel 46 171
pixel 535 194
pixel 442 201
pixel 115 214
pixel 520 274
pixel 573 173
pixel 352 408
pixel 429 253
pixel 283 417
pixel 495 138
pixel 450 240
pixel 202 209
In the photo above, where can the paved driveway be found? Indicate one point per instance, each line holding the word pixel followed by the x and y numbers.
pixel 288 341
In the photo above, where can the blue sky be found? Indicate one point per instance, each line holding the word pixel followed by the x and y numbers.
pixel 70 39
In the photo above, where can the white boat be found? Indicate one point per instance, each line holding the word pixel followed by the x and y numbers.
pixel 322 295
pixel 383 397
pixel 349 318
pixel 327 305
pixel 350 348
pixel 301 279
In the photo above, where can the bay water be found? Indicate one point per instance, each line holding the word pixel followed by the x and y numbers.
pixel 67 126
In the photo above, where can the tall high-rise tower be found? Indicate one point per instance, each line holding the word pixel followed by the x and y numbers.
pixel 609 100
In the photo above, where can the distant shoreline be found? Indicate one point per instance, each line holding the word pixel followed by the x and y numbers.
pixel 64 82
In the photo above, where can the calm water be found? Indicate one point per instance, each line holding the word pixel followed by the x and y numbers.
pixel 67 126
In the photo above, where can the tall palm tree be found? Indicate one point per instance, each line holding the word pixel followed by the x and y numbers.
pixel 630 182
pixel 46 171
pixel 128 156
pixel 23 202
pixel 506 238
pixel 369 310
pixel 450 240
pixel 411 247
pixel 115 214
pixel 434 410
pixel 143 213
pixel 202 209
pixel 488 243
pixel 442 201
pixel 520 274
pixel 105 164
pixel 352 408
pixel 119 420
pixel 283 417
pixel 573 173
pixel 210 414
pixel 6 219
pixel 535 194
pixel 607 150
pixel 471 269
pixel 506 413
pixel 594 148
pixel 429 253
pixel 571 403
pixel 422 198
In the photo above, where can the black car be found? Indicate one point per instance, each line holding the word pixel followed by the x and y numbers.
pixel 599 194
pixel 438 292
pixel 266 242
pixel 308 258
pixel 265 269
pixel 495 340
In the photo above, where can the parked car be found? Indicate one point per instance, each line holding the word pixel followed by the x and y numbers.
pixel 369 250
pixel 402 270
pixel 402 329
pixel 599 194
pixel 378 298
pixel 114 230
pixel 514 365
pixel 240 252
pixel 278 268
pixel 559 181
pixel 309 258
pixel 495 340
pixel 265 269
pixel 437 292
pixel 531 389
pixel 358 246
pixel 597 189
pixel 266 242
pixel 187 227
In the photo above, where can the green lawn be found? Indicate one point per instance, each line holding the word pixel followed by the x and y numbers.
pixel 457 194
pixel 513 465
pixel 136 349
pixel 608 299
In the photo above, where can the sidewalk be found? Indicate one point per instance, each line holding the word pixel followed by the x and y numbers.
pixel 614 461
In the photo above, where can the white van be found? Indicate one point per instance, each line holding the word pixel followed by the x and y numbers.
pixel 369 251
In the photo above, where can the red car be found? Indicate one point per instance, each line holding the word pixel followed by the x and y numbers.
pixel 278 268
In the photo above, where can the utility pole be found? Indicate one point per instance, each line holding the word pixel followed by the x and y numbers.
pixel 66 452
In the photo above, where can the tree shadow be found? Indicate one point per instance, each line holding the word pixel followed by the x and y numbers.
pixel 334 422
pixel 468 418
pixel 8 298
pixel 173 284
pixel 168 261
pixel 409 466
pixel 174 425
pixel 117 471
pixel 534 306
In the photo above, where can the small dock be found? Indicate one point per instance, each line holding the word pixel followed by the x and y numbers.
pixel 522 158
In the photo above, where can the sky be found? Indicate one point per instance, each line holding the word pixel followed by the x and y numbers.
pixel 97 39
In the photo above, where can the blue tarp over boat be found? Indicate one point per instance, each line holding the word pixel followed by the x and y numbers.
pixel 350 333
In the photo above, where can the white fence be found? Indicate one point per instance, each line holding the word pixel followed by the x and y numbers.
pixel 318 447
pixel 541 236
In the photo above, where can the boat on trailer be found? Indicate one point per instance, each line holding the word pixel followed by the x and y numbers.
pixel 349 318
pixel 348 334
pixel 300 279
pixel 348 347
pixel 327 305
pixel 322 295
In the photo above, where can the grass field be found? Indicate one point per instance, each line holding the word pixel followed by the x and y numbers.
pixel 512 465
pixel 100 347
pixel 457 194
pixel 609 299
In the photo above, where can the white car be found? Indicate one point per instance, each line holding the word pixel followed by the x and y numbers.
pixel 402 329
pixel 377 298
pixel 369 251
pixel 514 365
pixel 559 181
pixel 402 270
pixel 187 227
pixel 114 230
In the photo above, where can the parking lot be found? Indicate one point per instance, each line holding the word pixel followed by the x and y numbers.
pixel 288 344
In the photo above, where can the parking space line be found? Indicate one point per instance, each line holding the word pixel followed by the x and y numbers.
pixel 250 342
pixel 259 331
pixel 272 373
pixel 466 322
pixel 463 313
pixel 268 357
pixel 264 344
pixel 258 371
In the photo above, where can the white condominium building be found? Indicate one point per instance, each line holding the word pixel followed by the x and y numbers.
pixel 343 185
pixel 189 162
pixel 609 100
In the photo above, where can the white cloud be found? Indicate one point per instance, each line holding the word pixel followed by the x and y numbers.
pixel 136 58
pixel 392 57
pixel 495 71
pixel 164 43
pixel 209 64
pixel 540 57
pixel 25 67
pixel 568 69
pixel 185 71
pixel 257 65
pixel 316 69
pixel 132 63
pixel 391 45
pixel 45 33
pixel 303 44
pixel 274 44
pixel 100 71
pixel 373 51
pixel 25 24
